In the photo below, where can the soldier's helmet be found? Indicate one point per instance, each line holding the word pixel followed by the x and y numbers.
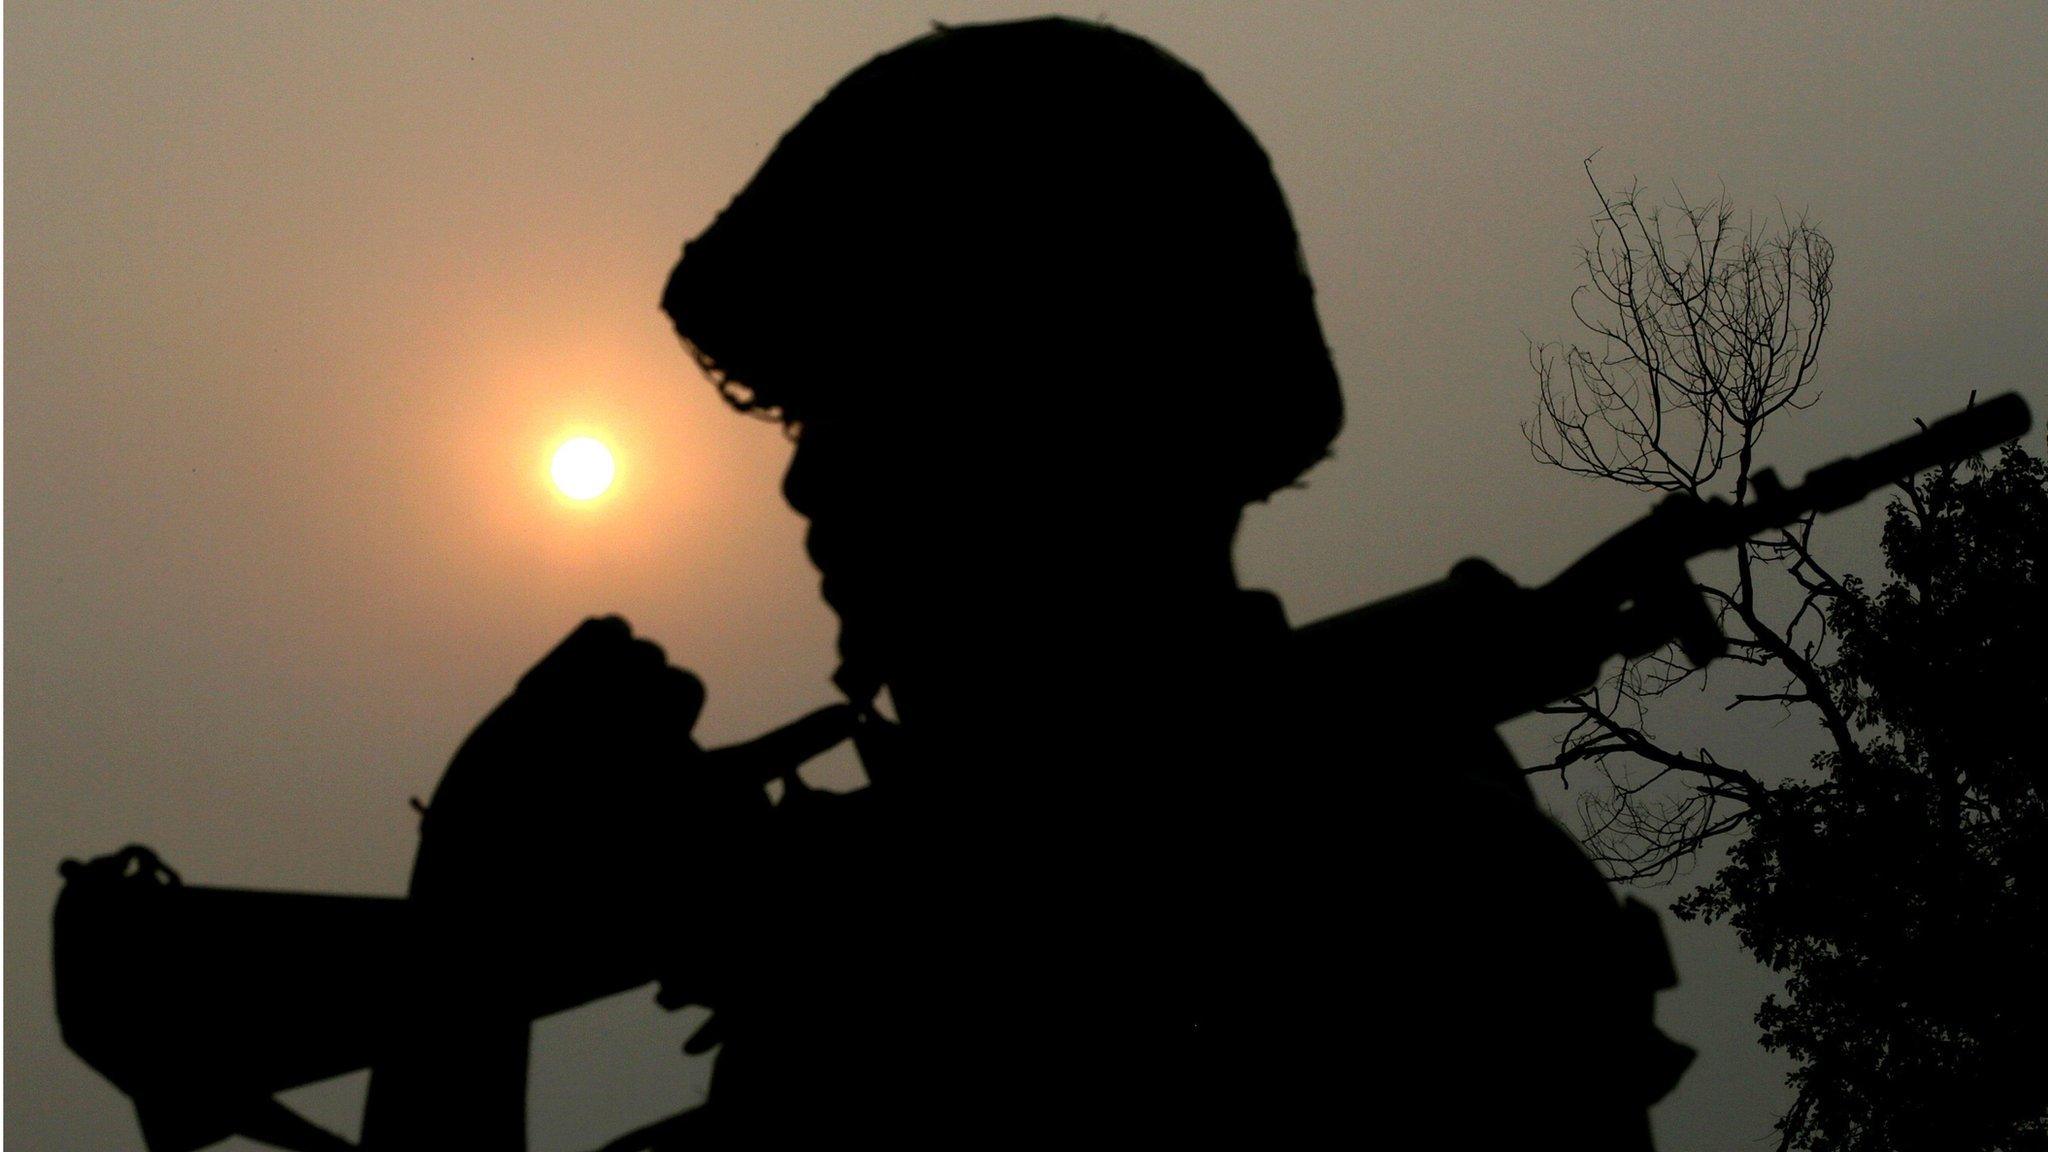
pixel 1046 222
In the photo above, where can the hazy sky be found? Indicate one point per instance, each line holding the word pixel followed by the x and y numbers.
pixel 297 296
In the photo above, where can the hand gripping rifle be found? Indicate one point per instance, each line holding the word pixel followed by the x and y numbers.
pixel 1626 597
pixel 200 1003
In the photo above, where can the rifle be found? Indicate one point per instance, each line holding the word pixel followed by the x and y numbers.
pixel 1627 597
pixel 175 993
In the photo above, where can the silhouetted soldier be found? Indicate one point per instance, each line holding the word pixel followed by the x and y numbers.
pixel 1031 304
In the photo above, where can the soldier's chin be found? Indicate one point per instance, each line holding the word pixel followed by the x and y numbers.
pixel 863 668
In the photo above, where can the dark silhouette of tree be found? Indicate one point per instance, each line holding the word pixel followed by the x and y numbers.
pixel 1899 883
pixel 1703 329
pixel 1907 899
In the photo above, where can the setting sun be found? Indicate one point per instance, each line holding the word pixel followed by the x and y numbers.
pixel 582 468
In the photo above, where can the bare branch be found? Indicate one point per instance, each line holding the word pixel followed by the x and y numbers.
pixel 1697 328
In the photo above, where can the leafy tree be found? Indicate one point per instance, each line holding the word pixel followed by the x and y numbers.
pixel 1901 882
pixel 1906 897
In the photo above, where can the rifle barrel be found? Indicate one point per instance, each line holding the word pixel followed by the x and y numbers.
pixel 1831 487
pixel 1975 429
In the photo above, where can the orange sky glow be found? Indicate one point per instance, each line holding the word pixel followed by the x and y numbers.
pixel 298 299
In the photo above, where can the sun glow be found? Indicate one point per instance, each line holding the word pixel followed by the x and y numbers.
pixel 582 468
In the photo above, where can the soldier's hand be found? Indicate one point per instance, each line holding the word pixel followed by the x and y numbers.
pixel 585 789
pixel 575 782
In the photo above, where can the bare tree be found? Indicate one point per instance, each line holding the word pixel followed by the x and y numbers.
pixel 1700 329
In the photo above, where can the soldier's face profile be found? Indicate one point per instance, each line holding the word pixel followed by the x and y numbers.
pixel 926 514
pixel 866 485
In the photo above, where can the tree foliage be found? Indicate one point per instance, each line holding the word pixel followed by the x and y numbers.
pixel 1907 899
